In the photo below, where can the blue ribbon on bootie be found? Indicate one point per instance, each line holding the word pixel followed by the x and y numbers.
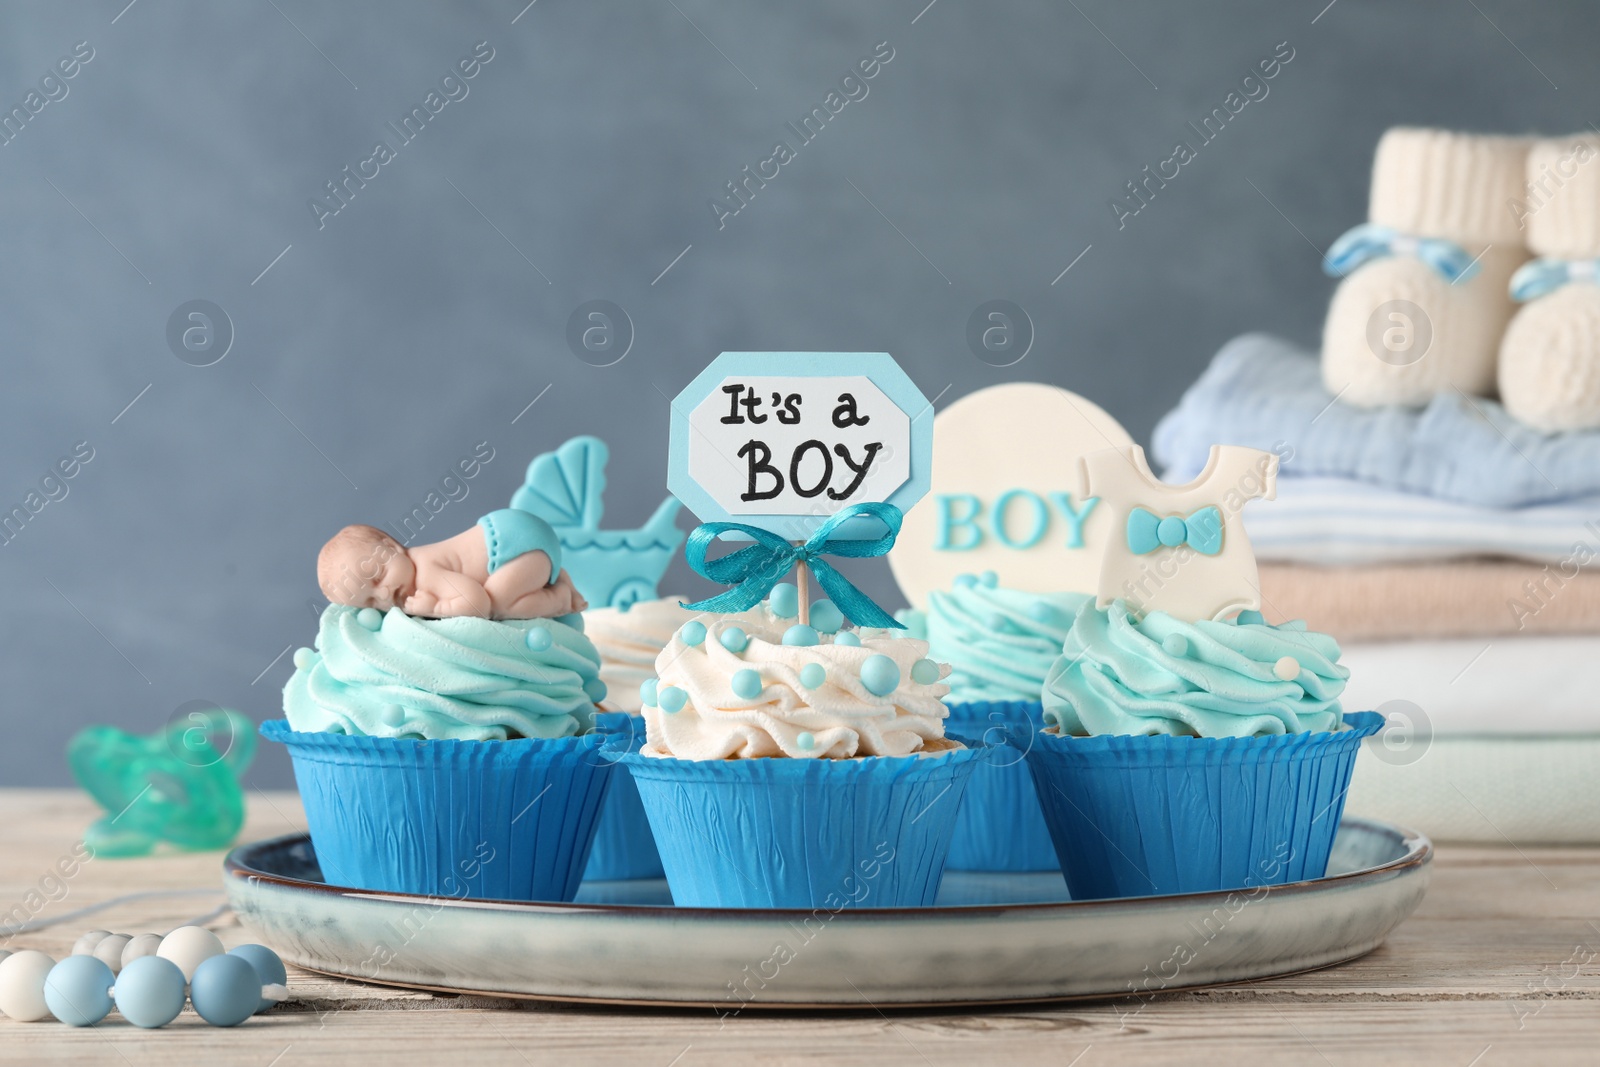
pixel 1201 530
pixel 1540 277
pixel 1369 241
pixel 754 570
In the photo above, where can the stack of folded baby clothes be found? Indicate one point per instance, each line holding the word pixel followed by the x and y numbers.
pixel 1451 551
pixel 1450 541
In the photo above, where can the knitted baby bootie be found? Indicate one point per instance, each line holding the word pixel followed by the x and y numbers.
pixel 1550 357
pixel 1423 302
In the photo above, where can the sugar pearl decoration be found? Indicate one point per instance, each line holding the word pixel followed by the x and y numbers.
pixel 1287 668
pixel 149 991
pixel 965 581
pixel 369 618
pixel 800 635
pixel 1175 645
pixel 746 684
pixel 672 699
pixel 142 945
pixel 393 715
pixel 825 617
pixel 925 672
pixel 734 639
pixel 539 639
pixel 303 657
pixel 989 579
pixel 813 675
pixel 77 990
pixel 22 978
pixel 784 600
pixel 805 741
pixel 1251 618
pixel 225 990
pixel 647 692
pixel 847 638
pixel 692 632
pixel 189 947
pixel 880 675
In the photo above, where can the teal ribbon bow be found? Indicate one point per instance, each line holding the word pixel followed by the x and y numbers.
pixel 754 570
pixel 1541 277
pixel 1202 531
pixel 1370 241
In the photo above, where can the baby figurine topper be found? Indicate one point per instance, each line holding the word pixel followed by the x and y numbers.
pixel 507 566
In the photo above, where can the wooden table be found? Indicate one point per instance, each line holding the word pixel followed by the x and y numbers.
pixel 1501 964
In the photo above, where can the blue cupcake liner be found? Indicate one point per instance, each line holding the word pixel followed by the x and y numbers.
pixel 497 820
pixel 830 834
pixel 1142 816
pixel 624 848
pixel 1000 826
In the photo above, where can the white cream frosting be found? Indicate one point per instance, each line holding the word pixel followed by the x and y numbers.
pixel 629 642
pixel 841 718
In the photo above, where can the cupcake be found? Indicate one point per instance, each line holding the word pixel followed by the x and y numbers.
pixel 1182 756
pixel 794 765
pixel 629 639
pixel 617 572
pixel 999 644
pixel 447 755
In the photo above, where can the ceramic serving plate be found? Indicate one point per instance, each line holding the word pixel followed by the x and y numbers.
pixel 991 939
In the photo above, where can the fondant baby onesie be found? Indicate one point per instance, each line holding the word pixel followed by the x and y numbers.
pixel 1194 528
pixel 509 533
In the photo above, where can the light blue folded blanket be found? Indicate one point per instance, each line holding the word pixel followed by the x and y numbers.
pixel 1263 392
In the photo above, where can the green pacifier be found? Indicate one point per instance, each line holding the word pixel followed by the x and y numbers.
pixel 179 785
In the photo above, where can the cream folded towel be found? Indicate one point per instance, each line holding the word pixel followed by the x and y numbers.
pixel 1471 598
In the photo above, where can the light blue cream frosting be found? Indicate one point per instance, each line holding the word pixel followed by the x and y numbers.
pixel 1121 675
pixel 999 642
pixel 463 678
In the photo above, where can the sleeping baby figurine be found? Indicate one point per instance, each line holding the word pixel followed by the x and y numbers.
pixel 507 566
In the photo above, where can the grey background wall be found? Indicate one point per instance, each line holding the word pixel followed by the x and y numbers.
pixel 374 348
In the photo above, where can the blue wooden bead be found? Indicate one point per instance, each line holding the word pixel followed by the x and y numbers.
pixel 225 990
pixel 269 968
pixel 77 990
pixel 149 991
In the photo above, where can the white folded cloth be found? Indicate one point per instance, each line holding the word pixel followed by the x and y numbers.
pixel 1537 685
pixel 1523 790
pixel 1336 521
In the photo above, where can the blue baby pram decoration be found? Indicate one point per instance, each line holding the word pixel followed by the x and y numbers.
pixel 611 568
